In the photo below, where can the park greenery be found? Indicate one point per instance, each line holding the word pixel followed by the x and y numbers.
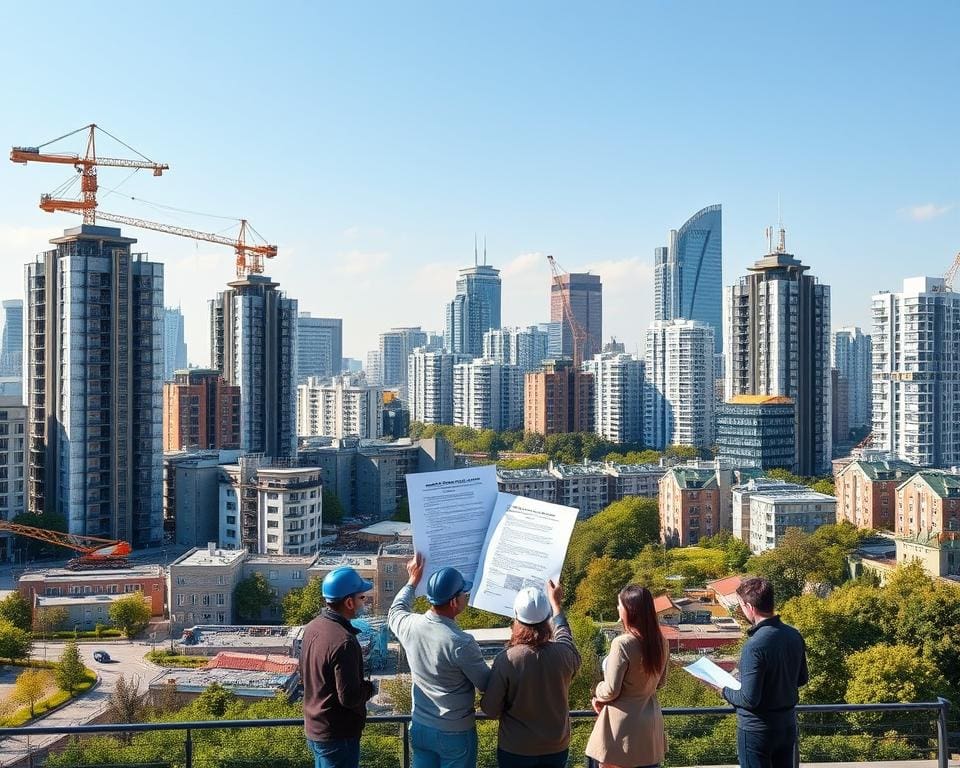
pixel 130 614
pixel 43 686
pixel 250 597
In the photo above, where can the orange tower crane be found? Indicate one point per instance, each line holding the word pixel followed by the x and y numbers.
pixel 578 332
pixel 87 168
pixel 249 256
pixel 94 552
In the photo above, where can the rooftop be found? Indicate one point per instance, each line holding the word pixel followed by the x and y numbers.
pixel 140 571
pixel 636 469
pixel 760 400
pixel 326 560
pixel 238 635
pixel 204 557
pixel 253 662
pixel 587 469
pixel 792 494
pixel 944 482
pixel 388 528
pixel 525 474
pixel 62 602
pixel 690 478
pixel 241 682
pixel 725 586
pixel 304 560
pixel 883 469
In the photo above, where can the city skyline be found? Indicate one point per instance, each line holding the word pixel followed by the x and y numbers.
pixel 583 170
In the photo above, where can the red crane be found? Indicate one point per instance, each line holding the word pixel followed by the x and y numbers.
pixel 578 332
pixel 94 552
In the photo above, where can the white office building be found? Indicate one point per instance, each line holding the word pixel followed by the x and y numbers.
pixel 916 373
pixel 488 395
pixel 430 385
pixel 679 396
pixel 618 386
pixel 852 356
pixel 772 512
pixel 525 348
pixel 341 407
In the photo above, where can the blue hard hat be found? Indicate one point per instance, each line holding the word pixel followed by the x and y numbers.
pixel 343 582
pixel 445 584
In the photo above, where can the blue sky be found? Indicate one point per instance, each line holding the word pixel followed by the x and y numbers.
pixel 371 141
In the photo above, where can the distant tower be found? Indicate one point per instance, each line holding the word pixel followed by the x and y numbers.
pixel 396 346
pixel 853 359
pixel 475 309
pixel 319 347
pixel 586 302
pixel 778 343
pixel 94 377
pixel 253 331
pixel 11 346
pixel 174 345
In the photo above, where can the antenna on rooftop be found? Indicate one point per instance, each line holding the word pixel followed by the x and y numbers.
pixel 769 235
pixel 782 245
pixel 484 250
pixel 475 258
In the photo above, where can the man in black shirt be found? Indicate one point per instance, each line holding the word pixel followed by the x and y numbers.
pixel 773 666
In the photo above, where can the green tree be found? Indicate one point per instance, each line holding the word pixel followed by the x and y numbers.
pixel 46 620
pixel 29 688
pixel 596 594
pixel 214 701
pixel 15 609
pixel 302 605
pixel 70 671
pixel 681 452
pixel 474 618
pixel 332 508
pixel 402 515
pixel 251 596
pixel 397 689
pixel 14 642
pixel 126 704
pixel 890 673
pixel 130 613
pixel 589 641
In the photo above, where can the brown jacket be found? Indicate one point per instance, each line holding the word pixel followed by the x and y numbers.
pixel 528 692
pixel 629 729
pixel 334 692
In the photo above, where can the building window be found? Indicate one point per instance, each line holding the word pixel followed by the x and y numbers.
pixel 272 540
pixel 273 496
pixel 221 618
pixel 193 599
pixel 179 599
pixel 273 523
pixel 181 581
pixel 231 533
pixel 297 576
pixel 221 580
pixel 388 585
pixel 273 575
pixel 206 600
pixel 221 599
pixel 231 506
pixel 231 519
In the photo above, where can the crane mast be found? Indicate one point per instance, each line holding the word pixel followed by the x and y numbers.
pixel 577 331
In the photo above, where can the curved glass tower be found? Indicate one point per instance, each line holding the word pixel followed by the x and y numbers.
pixel 689 273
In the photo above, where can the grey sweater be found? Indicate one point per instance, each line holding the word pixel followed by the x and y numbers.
pixel 445 664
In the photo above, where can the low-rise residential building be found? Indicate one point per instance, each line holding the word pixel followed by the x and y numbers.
pixel 273 510
pixel 929 501
pixel 774 511
pixel 148 580
pixel 191 493
pixel 725 591
pixel 937 552
pixel 201 584
pixel 584 486
pixel 384 566
pixel 740 501
pixel 532 483
pixel 867 492
pixel 689 505
pixel 635 480
pixel 245 683
pixel 83 612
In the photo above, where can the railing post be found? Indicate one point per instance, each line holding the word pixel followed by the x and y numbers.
pixel 188 750
pixel 406 743
pixel 943 746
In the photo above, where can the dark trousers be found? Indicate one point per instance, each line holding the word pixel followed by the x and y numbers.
pixel 510 760
pixel 591 763
pixel 772 747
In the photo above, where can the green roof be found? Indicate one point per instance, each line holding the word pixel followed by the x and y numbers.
pixel 944 483
pixel 690 479
pixel 888 469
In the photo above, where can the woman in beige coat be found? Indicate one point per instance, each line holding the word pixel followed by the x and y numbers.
pixel 629 729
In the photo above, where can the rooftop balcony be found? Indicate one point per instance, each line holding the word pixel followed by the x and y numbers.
pixel 902 735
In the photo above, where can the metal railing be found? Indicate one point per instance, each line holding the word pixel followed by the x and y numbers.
pixel 940 707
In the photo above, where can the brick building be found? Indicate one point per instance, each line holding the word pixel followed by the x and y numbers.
pixel 689 505
pixel 867 492
pixel 149 580
pixel 200 410
pixel 929 502
pixel 558 398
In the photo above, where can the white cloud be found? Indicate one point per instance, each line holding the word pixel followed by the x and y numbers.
pixel 360 263
pixel 926 211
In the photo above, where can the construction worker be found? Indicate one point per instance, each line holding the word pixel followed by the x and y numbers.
pixel 446 666
pixel 335 693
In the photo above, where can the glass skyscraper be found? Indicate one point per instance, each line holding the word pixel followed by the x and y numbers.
pixel 474 310
pixel 689 272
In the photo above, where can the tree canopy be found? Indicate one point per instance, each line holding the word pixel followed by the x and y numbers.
pixel 14 642
pixel 251 596
pixel 130 613
pixel 15 609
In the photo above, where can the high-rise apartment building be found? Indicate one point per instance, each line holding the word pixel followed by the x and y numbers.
pixel 916 373
pixel 13 424
pixel 174 343
pixel 94 376
pixel 253 331
pixel 525 348
pixel 852 356
pixel 488 395
pixel 11 342
pixel 430 385
pixel 586 302
pixel 558 398
pixel 319 347
pixel 200 410
pixel 618 390
pixel 554 333
pixel 371 368
pixel 345 406
pixel 688 273
pixel 778 343
pixel 757 431
pixel 474 310
pixel 396 345
pixel 679 398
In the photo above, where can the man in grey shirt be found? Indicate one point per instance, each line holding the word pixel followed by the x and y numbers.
pixel 446 666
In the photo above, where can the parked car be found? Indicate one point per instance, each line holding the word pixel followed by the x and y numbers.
pixel 101 656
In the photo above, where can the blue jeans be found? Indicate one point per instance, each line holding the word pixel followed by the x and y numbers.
pixel 339 753
pixel 510 760
pixel 768 747
pixel 433 748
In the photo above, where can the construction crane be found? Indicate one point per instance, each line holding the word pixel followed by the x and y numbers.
pixel 952 273
pixel 87 168
pixel 249 256
pixel 94 552
pixel 578 332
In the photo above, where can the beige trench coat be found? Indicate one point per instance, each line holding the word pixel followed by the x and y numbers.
pixel 629 729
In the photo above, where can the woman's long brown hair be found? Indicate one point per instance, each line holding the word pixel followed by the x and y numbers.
pixel 641 622
pixel 534 635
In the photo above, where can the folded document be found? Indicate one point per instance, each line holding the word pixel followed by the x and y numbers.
pixel 706 670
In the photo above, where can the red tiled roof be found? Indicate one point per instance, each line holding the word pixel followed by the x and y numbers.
pixel 253 662
pixel 725 586
pixel 663 603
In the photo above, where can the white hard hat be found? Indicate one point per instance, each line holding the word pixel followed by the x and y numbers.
pixel 531 606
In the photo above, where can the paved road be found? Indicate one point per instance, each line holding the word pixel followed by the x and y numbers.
pixel 126 660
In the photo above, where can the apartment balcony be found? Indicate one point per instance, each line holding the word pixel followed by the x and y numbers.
pixel 915 734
